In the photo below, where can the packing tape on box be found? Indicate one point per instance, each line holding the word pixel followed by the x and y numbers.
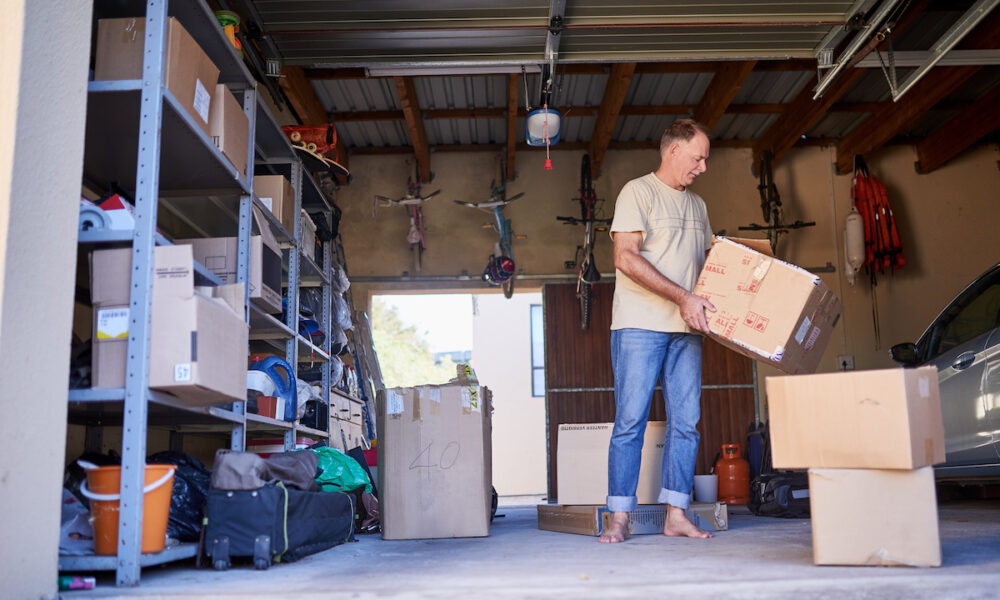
pixel 417 416
pixel 472 399
pixel 433 397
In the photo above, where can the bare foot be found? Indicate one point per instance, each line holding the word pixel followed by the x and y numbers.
pixel 678 525
pixel 617 530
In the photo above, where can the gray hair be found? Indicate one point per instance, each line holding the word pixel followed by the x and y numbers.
pixel 681 130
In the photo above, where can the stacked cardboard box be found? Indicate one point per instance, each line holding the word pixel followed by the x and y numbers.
pixel 869 439
pixel 198 337
pixel 435 461
pixel 582 465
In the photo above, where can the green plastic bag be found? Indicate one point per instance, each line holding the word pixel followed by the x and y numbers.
pixel 339 472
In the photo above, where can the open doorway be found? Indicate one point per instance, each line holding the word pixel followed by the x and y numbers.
pixel 420 337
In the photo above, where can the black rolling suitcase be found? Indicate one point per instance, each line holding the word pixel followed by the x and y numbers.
pixel 275 523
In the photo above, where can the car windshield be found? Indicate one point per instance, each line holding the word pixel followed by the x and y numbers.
pixel 972 314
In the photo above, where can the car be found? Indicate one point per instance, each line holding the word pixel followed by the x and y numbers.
pixel 963 343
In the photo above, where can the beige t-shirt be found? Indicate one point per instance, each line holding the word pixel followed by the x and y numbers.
pixel 675 236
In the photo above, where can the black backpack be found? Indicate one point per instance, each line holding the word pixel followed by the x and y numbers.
pixel 782 494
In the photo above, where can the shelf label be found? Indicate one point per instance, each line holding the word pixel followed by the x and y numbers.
pixel 182 372
pixel 112 324
pixel 202 100
pixel 268 202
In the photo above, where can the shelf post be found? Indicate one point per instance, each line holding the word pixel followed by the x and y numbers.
pixel 147 180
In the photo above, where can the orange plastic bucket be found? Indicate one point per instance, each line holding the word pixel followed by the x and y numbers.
pixel 103 487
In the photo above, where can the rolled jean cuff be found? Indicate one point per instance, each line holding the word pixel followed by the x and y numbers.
pixel 622 503
pixel 678 499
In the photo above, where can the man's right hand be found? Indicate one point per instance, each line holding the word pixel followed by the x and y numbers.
pixel 693 309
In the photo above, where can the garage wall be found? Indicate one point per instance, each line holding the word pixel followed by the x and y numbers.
pixel 948 222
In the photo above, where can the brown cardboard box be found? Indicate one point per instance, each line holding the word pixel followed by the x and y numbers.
pixel 198 337
pixel 219 255
pixel 189 73
pixel 874 517
pixel 229 127
pixel 276 192
pixel 883 419
pixel 582 463
pixel 307 238
pixel 434 461
pixel 592 520
pixel 767 309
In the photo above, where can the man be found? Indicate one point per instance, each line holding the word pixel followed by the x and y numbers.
pixel 661 236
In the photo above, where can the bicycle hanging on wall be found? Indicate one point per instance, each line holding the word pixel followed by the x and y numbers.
pixel 587 273
pixel 500 268
pixel 413 201
pixel 770 205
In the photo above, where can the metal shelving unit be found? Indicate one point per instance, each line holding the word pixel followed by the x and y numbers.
pixel 140 137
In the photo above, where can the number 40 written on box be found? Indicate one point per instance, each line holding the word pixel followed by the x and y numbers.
pixel 431 458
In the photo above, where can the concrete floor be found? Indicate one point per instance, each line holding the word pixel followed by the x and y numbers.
pixel 756 558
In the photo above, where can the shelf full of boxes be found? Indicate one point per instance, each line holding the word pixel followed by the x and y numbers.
pixel 186 149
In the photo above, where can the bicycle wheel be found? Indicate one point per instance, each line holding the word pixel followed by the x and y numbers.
pixel 584 296
pixel 417 250
pixel 586 186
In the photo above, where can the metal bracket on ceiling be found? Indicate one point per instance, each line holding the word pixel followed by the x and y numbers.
pixel 872 25
pixel 966 23
pixel 557 13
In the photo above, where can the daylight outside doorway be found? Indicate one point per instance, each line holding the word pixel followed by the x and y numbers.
pixel 420 337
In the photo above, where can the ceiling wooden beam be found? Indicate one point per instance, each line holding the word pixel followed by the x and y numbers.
pixel 570 146
pixel 415 124
pixel 607 114
pixel 307 105
pixel 953 137
pixel 690 66
pixel 728 80
pixel 882 126
pixel 633 110
pixel 511 124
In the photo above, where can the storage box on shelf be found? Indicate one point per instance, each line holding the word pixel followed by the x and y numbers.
pixel 221 256
pixel 229 127
pixel 188 73
pixel 197 333
pixel 276 193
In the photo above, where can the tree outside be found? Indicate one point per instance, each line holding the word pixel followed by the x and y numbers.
pixel 404 356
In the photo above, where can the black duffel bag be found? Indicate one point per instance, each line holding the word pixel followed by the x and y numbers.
pixel 781 494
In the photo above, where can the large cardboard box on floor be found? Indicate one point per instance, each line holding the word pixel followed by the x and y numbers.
pixel 434 461
pixel 593 520
pixel 882 419
pixel 198 337
pixel 276 192
pixel 229 127
pixel 220 255
pixel 188 73
pixel 582 463
pixel 767 309
pixel 874 517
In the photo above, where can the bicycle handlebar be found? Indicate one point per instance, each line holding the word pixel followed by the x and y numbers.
pixel 576 221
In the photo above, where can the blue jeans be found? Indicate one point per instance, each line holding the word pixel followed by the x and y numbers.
pixel 638 358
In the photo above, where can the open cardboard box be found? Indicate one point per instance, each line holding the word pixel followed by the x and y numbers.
pixel 220 255
pixel 434 461
pixel 767 309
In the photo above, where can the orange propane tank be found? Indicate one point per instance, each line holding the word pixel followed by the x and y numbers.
pixel 734 476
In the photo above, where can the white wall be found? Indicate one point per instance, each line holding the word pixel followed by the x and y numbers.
pixel 501 353
pixel 43 77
